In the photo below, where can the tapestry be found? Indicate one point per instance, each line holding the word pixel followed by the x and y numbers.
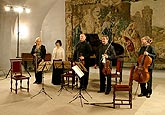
pixel 113 18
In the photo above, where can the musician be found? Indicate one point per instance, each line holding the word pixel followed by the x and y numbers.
pixel 58 54
pixel 146 41
pixel 58 51
pixel 82 54
pixel 105 50
pixel 38 52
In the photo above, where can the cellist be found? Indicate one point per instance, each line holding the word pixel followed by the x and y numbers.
pixel 107 51
pixel 148 50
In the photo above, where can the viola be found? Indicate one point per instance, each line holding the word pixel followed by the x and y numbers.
pixel 106 70
pixel 141 74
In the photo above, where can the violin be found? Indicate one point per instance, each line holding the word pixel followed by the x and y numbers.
pixel 141 74
pixel 82 60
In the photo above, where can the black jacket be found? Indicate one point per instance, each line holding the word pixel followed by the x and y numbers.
pixel 43 51
pixel 101 50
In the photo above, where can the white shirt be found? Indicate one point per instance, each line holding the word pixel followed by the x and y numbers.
pixel 58 53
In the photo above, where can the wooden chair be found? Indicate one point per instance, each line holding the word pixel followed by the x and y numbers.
pixel 16 74
pixel 118 72
pixel 68 75
pixel 125 88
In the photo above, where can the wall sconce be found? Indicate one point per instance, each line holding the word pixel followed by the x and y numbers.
pixel 18 10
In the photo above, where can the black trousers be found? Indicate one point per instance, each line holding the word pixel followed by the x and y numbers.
pixel 105 81
pixel 56 76
pixel 147 87
pixel 85 78
pixel 38 76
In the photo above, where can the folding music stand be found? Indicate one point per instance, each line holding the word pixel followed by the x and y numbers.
pixel 43 66
pixel 66 65
pixel 80 74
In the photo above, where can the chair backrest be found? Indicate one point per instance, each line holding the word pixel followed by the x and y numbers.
pixel 48 57
pixel 131 75
pixel 119 65
pixel 16 67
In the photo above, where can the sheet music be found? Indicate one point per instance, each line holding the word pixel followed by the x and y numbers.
pixel 78 71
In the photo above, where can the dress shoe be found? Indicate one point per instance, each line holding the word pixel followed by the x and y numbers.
pixel 148 95
pixel 107 92
pixel 35 82
pixel 83 88
pixel 140 95
pixel 100 92
pixel 38 82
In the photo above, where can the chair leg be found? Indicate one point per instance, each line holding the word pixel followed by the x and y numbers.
pixel 73 82
pixel 16 87
pixel 20 84
pixel 28 85
pixel 11 88
pixel 130 99
pixel 116 80
pixel 114 96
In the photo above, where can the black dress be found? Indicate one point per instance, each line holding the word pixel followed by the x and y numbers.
pixel 57 71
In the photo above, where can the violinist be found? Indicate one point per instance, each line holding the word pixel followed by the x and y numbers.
pixel 105 52
pixel 147 50
pixel 82 54
pixel 38 52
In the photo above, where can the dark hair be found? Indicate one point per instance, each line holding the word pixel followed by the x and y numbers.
pixel 105 37
pixel 59 41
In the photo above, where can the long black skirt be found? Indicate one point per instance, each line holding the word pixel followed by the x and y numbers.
pixel 56 76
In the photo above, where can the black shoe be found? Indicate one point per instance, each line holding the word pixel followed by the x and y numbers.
pixel 100 92
pixel 83 88
pixel 140 95
pixel 107 92
pixel 38 82
pixel 148 95
pixel 35 82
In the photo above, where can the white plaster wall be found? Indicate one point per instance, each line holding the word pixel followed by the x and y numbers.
pixel 46 19
pixel 53 26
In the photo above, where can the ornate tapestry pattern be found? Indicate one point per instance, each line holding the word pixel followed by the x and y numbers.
pixel 112 18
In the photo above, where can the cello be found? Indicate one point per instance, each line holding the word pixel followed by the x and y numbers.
pixel 141 74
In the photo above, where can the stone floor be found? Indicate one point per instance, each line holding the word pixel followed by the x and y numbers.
pixel 22 104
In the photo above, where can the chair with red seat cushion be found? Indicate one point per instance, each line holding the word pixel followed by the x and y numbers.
pixel 125 88
pixel 16 74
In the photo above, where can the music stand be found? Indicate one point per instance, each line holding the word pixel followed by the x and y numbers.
pixel 66 65
pixel 43 66
pixel 80 74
